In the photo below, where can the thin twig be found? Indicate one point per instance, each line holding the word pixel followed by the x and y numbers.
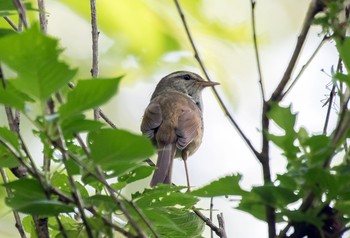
pixel 61 227
pixel 75 191
pixel 324 40
pixel 42 16
pixel 331 97
pixel 257 58
pixel 330 103
pixel 19 225
pixel 94 35
pixel 313 9
pixel 218 97
pixel 21 12
pixel 222 225
pixel 11 23
pixel 211 214
pixel 208 222
pixel 121 206
pixel 145 219
pixel 107 120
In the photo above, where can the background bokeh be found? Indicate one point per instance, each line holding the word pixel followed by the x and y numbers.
pixel 145 40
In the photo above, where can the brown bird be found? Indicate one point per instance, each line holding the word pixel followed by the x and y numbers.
pixel 173 121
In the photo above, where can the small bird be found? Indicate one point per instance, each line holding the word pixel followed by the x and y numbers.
pixel 173 121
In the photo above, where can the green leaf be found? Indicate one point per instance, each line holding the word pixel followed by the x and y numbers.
pixel 254 208
pixel 61 181
pixel 286 143
pixel 103 202
pixel 228 185
pixel 298 216
pixel 79 123
pixel 29 197
pixel 109 147
pixel 164 196
pixel 318 148
pixel 275 196
pixel 329 184
pixel 9 137
pixel 283 117
pixel 10 97
pixel 34 57
pixel 7 159
pixel 187 223
pixel 343 78
pixel 29 226
pixel 136 174
pixel 38 207
pixel 253 204
pixel 343 47
pixel 287 181
pixel 67 222
pixel 89 94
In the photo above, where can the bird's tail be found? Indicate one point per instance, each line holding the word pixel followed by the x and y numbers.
pixel 164 165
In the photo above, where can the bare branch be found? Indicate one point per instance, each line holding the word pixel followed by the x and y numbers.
pixel 94 33
pixel 208 222
pixel 313 9
pixel 42 16
pixel 222 224
pixel 21 12
pixel 211 214
pixel 12 24
pixel 253 4
pixel 325 38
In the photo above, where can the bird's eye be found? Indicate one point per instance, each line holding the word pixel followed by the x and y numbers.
pixel 187 77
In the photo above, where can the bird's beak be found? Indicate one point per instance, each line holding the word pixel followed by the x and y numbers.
pixel 208 84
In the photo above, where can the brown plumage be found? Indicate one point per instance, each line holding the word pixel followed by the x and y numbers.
pixel 173 121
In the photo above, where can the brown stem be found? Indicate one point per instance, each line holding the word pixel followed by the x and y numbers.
pixel 41 226
pixel 265 163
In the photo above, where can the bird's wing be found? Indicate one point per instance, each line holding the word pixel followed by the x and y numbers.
pixel 189 126
pixel 151 120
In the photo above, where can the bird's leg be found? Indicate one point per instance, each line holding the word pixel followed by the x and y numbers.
pixel 184 158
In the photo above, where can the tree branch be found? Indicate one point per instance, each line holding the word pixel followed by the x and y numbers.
pixel 11 23
pixel 314 8
pixel 42 16
pixel 94 34
pixel 305 65
pixel 222 224
pixel 253 4
pixel 21 12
